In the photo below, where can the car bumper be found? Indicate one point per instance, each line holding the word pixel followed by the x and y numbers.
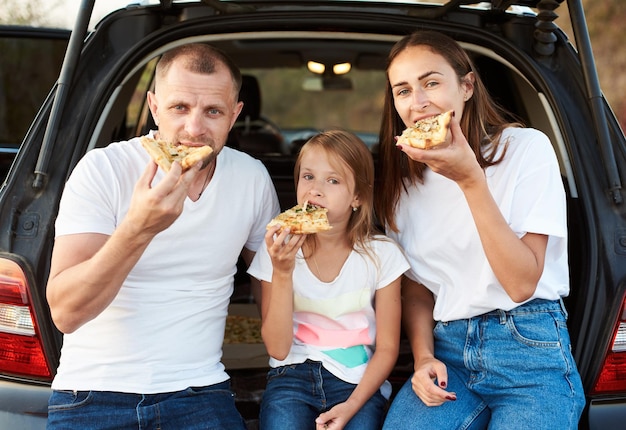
pixel 607 413
pixel 23 406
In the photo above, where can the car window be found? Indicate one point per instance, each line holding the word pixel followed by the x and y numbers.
pixel 299 102
pixel 29 66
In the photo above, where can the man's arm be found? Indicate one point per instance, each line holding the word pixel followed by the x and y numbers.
pixel 87 270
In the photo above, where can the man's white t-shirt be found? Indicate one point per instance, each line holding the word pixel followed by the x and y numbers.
pixel 335 322
pixel 438 234
pixel 163 332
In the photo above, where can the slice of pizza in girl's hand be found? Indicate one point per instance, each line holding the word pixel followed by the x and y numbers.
pixel 164 153
pixel 428 132
pixel 303 219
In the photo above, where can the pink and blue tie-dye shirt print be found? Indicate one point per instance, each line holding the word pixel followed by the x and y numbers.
pixel 334 322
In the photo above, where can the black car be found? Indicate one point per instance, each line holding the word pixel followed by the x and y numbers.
pixel 528 63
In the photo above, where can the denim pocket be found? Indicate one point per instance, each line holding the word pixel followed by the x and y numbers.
pixel 537 329
pixel 276 372
pixel 68 399
pixel 199 391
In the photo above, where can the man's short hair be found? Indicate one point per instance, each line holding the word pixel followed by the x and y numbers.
pixel 199 58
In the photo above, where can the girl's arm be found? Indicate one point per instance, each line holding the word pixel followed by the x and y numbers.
pixel 277 296
pixel 417 317
pixel 388 309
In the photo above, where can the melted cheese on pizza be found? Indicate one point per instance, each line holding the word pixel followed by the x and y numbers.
pixel 427 132
pixel 303 219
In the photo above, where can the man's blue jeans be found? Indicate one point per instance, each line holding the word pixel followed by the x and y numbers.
pixel 296 394
pixel 509 370
pixel 211 407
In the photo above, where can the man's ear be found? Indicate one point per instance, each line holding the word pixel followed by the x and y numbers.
pixel 153 105
pixel 236 112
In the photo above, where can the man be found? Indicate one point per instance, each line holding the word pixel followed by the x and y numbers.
pixel 143 262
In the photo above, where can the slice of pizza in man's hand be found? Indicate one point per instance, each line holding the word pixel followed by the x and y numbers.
pixel 164 153
pixel 428 132
pixel 303 219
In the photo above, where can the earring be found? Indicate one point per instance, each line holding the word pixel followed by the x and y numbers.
pixel 354 209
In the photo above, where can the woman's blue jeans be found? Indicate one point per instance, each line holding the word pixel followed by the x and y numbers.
pixel 296 394
pixel 211 407
pixel 509 370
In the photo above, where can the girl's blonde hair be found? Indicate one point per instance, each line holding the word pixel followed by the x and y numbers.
pixel 345 149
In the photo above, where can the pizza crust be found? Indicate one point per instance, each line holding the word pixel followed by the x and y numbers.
pixel 303 219
pixel 164 153
pixel 427 132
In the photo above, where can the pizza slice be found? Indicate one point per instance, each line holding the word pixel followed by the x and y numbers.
pixel 427 132
pixel 303 219
pixel 165 153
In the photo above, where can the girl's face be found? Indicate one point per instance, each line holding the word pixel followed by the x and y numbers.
pixel 424 84
pixel 326 184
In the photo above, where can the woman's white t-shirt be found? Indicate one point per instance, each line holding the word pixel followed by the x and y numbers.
pixel 440 239
pixel 335 322
pixel 164 330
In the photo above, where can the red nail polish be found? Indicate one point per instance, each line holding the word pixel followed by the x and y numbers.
pixel 453 398
pixel 443 384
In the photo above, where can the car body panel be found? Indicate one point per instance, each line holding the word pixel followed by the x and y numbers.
pixel 529 73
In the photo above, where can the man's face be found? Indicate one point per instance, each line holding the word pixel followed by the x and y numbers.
pixel 195 109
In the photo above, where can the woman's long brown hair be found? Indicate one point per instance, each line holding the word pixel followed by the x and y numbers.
pixel 482 124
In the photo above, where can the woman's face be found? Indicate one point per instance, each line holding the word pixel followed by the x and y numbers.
pixel 424 84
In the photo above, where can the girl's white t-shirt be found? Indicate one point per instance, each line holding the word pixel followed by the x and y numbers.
pixel 164 330
pixel 440 239
pixel 335 322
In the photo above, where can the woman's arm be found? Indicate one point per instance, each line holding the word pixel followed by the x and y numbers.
pixel 388 309
pixel 417 317
pixel 517 263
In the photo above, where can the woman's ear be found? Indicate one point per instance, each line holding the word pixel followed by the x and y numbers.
pixel 467 84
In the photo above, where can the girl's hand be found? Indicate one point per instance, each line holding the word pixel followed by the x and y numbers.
pixel 335 418
pixel 423 381
pixel 455 161
pixel 283 247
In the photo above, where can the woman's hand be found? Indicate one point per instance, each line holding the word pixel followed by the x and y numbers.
pixel 455 161
pixel 429 382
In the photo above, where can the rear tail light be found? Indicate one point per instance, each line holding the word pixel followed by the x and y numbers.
pixel 612 377
pixel 21 350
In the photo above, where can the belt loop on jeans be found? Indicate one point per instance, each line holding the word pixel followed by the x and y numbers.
pixel 502 315
pixel 563 307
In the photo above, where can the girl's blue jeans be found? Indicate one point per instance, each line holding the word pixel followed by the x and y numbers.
pixel 296 394
pixel 509 370
pixel 211 407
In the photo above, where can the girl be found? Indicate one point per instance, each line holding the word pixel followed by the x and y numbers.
pixel 330 301
pixel 483 224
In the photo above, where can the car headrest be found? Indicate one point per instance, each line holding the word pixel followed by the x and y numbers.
pixel 250 94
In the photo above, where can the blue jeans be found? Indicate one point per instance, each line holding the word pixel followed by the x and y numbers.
pixel 211 407
pixel 509 370
pixel 295 395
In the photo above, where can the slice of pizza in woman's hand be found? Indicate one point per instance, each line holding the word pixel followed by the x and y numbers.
pixel 303 219
pixel 164 153
pixel 427 132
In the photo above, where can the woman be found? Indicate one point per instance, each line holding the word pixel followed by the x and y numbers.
pixel 483 224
